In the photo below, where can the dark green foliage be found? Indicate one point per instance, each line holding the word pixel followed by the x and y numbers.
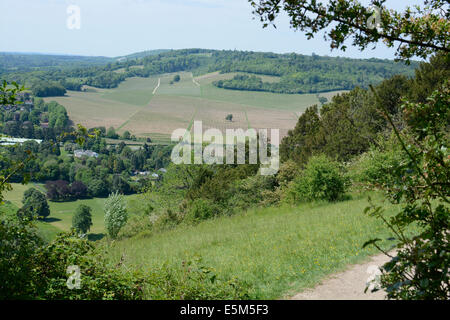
pixel 176 78
pixel 299 73
pixel 375 167
pixel 48 89
pixel 346 126
pixel 70 178
pixel 38 120
pixel 201 209
pixel 193 280
pixel 303 74
pixel 419 30
pixel 82 219
pixel 126 135
pixel 320 180
pixel 300 143
pixel 420 185
pixel 19 243
pixel 111 133
pixel 31 269
pixel 35 205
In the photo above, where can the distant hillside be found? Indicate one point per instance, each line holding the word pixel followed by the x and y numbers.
pixel 23 62
pixel 141 54
pixel 291 73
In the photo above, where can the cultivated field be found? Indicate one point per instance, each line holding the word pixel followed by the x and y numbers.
pixel 147 109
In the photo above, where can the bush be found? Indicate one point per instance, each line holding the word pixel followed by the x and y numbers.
pixel 193 281
pixel 253 191
pixel 31 269
pixel 320 180
pixel 375 167
pixel 200 209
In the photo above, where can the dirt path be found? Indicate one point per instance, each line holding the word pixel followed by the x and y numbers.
pixel 156 88
pixel 195 82
pixel 347 285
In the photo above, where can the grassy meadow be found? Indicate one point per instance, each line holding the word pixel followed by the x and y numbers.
pixel 277 251
pixel 60 218
pixel 145 109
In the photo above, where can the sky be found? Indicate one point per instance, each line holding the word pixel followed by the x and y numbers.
pixel 119 27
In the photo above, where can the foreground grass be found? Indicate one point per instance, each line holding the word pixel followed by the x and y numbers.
pixel 277 251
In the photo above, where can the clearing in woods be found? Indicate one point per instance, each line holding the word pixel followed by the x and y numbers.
pixel 156 106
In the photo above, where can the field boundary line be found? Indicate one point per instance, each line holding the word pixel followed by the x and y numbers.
pixel 128 120
pixel 191 122
pixel 139 109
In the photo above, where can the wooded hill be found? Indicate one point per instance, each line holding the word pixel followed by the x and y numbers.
pixel 294 73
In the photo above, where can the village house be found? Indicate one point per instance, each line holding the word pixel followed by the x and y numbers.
pixel 85 153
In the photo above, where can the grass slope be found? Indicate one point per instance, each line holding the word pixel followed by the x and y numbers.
pixel 275 250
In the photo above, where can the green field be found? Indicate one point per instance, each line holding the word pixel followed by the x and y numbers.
pixel 60 218
pixel 277 251
pixel 145 109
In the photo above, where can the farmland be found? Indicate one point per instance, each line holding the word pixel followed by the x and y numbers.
pixel 145 109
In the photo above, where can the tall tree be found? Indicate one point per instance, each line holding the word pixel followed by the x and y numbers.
pixel 82 219
pixel 116 215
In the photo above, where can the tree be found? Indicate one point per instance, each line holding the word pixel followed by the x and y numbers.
pixel 82 219
pixel 300 143
pixel 320 180
pixel 34 205
pixel 229 117
pixel 323 100
pixel 78 190
pixel 98 188
pixel 111 133
pixel 420 31
pixel 176 78
pixel 421 185
pixel 58 190
pixel 126 135
pixel 116 215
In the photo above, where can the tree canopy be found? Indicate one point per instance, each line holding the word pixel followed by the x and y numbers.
pixel 417 31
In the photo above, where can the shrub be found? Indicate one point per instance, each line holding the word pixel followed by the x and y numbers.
pixel 419 269
pixel 193 281
pixel 31 269
pixel 375 167
pixel 200 209
pixel 320 180
pixel 252 191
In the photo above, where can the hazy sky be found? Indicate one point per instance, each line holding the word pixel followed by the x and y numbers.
pixel 120 27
